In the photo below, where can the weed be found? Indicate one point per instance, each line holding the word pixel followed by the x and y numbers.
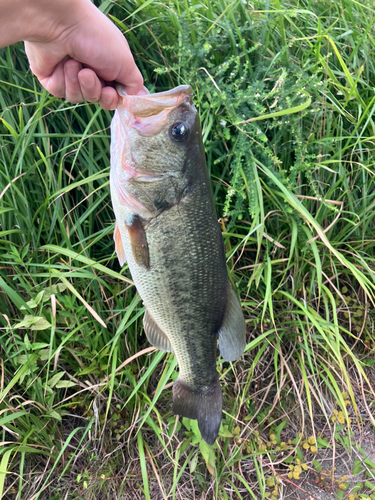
pixel 285 96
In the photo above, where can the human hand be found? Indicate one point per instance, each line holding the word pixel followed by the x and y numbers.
pixel 75 51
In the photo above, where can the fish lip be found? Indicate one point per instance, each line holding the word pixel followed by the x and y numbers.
pixel 158 96
pixel 148 105
pixel 146 177
pixel 122 92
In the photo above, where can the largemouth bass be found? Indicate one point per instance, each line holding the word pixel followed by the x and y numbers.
pixel 167 230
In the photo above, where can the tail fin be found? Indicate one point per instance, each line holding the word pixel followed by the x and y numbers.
pixel 204 406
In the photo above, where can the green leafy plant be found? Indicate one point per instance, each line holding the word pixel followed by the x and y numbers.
pixel 285 96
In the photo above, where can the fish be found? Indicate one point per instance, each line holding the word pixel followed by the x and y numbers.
pixel 168 232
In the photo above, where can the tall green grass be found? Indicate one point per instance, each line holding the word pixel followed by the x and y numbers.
pixel 285 95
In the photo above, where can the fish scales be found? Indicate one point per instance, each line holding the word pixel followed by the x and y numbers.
pixel 167 228
pixel 193 302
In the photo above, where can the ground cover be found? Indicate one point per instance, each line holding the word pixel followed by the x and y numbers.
pixel 285 92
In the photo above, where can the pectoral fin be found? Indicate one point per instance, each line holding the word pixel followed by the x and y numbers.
pixel 155 335
pixel 138 242
pixel 232 334
pixel 119 247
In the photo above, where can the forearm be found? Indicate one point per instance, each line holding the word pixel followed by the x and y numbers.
pixel 37 20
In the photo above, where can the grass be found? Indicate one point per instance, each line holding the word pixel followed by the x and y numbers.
pixel 285 95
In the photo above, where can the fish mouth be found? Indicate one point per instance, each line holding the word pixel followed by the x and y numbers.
pixel 148 178
pixel 148 114
pixel 143 106
pixel 141 177
pixel 129 173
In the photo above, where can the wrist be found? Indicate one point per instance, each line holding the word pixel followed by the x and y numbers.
pixel 48 19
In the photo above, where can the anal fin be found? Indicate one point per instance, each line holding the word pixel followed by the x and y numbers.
pixel 138 241
pixel 119 247
pixel 232 333
pixel 155 335
pixel 206 406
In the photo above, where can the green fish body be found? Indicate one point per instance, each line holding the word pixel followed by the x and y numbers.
pixel 167 230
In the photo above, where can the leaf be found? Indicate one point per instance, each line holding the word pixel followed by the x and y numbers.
pixel 225 432
pixel 278 430
pixel 41 324
pixel 299 453
pixel 142 459
pixel 85 260
pixel 63 384
pixel 187 423
pixel 197 434
pixel 322 443
pixel 32 303
pixel 370 464
pixel 13 296
pixel 93 368
pixel 44 354
pixel 106 6
pixel 79 296
pixel 10 128
pixel 26 322
pixel 358 467
pixel 12 416
pixel 38 345
pixel 53 380
pixel 193 463
pixel 27 343
pixel 53 290
pixel 317 465
pixel 185 445
pixel 25 251
pixel 209 456
pixel 33 322
pixel 21 359
pixel 357 487
pixel 48 389
pixel 54 414
pixel 3 469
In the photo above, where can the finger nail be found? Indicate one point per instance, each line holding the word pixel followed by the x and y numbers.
pixel 143 91
pixel 88 81
pixel 108 102
pixel 72 73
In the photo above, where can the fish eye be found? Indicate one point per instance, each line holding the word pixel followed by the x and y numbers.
pixel 179 131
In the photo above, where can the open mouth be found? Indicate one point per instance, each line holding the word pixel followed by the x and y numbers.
pixel 144 106
pixel 140 177
pixel 148 114
pixel 148 178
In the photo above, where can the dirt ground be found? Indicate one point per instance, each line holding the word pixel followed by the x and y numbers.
pixel 320 486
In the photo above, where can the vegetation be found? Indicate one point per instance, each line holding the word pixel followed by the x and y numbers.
pixel 285 92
